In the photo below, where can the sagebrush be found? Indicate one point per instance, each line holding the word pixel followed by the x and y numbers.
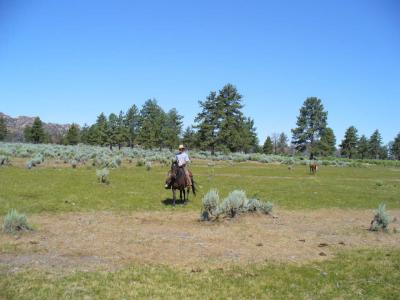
pixel 235 203
pixel 14 222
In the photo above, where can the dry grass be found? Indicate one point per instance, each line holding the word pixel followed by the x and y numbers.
pixel 87 241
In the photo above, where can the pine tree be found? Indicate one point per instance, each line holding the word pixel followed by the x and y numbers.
pixel 282 144
pixel 172 129
pixel 229 103
pixel 208 123
pixel 327 143
pixel 221 124
pixel 349 143
pixel 112 127
pixel 3 128
pixel 375 143
pixel 268 146
pixel 72 137
pixel 100 132
pixel 122 135
pixel 384 152
pixel 362 147
pixel 84 134
pixel 189 138
pixel 310 123
pixel 35 133
pixel 395 148
pixel 132 123
pixel 249 139
pixel 152 122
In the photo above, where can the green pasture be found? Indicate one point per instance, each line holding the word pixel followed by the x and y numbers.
pixel 351 275
pixel 61 189
pixel 355 274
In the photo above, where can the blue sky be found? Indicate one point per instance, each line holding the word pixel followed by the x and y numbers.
pixel 67 61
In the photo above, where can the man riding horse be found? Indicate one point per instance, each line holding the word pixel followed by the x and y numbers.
pixel 179 177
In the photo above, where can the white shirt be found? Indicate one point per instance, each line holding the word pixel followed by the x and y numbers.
pixel 182 158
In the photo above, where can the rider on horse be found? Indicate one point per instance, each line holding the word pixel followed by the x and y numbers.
pixel 182 158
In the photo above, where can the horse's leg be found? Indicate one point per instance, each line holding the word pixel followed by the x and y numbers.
pixel 173 195
pixel 180 195
pixel 188 191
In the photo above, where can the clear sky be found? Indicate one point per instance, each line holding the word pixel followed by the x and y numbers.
pixel 67 61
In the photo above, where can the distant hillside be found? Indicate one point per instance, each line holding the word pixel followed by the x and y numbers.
pixel 16 126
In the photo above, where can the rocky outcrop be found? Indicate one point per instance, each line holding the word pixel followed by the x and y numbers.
pixel 16 126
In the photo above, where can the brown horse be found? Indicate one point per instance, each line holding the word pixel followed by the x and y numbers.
pixel 313 167
pixel 176 180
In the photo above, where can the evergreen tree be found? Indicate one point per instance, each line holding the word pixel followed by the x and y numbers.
pixel 349 143
pixel 122 135
pixel 189 138
pixel 384 152
pixel 172 129
pixel 132 123
pixel 72 137
pixel 94 135
pixel 84 134
pixel 249 139
pixel 208 123
pixel 310 123
pixel 362 147
pixel 3 128
pixel 112 130
pixel 221 124
pixel 232 120
pixel 268 146
pixel 282 144
pixel 327 143
pixel 100 132
pixel 35 133
pixel 152 122
pixel 375 143
pixel 395 148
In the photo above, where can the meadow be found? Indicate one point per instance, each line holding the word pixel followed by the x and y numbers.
pixel 334 206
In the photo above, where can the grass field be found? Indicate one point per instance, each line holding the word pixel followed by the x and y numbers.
pixel 371 273
pixel 131 188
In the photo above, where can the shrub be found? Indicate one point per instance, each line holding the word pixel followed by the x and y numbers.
pixel 14 222
pixel 74 163
pixel 381 219
pixel 148 165
pixel 210 203
pixel 102 175
pixel 234 203
pixel 4 160
pixel 29 164
pixel 140 162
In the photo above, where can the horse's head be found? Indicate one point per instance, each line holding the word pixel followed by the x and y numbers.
pixel 171 176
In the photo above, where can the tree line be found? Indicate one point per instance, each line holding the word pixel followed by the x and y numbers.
pixel 219 126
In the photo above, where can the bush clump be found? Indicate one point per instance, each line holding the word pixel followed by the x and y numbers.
pixel 148 165
pixel 15 221
pixel 140 162
pixel 236 203
pixel 102 175
pixel 381 219
pixel 210 203
pixel 4 160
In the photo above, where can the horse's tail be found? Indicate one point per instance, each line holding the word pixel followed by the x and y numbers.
pixel 193 187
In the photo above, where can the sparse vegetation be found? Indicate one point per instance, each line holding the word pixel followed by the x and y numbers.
pixel 381 219
pixel 102 175
pixel 14 222
pixel 236 202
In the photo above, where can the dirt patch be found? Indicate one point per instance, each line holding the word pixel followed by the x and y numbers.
pixel 87 241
